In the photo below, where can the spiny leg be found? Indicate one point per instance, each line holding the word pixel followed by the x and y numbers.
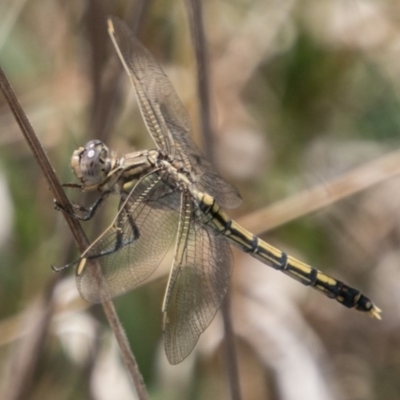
pixel 124 217
pixel 89 212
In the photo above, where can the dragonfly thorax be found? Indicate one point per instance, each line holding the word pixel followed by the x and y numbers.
pixel 92 164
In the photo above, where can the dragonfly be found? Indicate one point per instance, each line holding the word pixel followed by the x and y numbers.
pixel 172 196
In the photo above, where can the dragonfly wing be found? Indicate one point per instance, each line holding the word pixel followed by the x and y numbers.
pixel 154 92
pixel 198 283
pixel 164 114
pixel 131 249
pixel 208 181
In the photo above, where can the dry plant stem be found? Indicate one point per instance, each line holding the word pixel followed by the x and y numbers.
pixel 58 193
pixel 232 366
pixel 194 9
pixel 95 21
pixel 321 196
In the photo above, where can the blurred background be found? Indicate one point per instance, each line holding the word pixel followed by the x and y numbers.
pixel 302 93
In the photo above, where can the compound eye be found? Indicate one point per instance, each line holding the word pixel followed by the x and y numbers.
pixel 93 165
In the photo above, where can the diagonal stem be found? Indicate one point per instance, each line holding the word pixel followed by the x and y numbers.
pixel 58 193
pixel 194 10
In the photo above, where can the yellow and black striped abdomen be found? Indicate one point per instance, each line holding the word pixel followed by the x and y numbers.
pixel 279 260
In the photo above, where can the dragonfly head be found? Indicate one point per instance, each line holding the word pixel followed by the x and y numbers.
pixel 91 164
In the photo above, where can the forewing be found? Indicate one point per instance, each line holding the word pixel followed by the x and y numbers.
pixel 156 96
pixel 197 286
pixel 130 250
pixel 164 114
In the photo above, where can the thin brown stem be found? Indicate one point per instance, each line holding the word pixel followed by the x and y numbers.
pixel 194 8
pixel 195 13
pixel 80 237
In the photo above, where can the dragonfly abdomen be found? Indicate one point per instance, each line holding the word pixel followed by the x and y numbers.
pixel 330 287
pixel 279 260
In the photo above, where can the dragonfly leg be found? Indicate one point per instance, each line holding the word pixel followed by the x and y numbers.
pixel 123 218
pixel 88 211
pixel 58 269
pixel 124 213
pixel 123 238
